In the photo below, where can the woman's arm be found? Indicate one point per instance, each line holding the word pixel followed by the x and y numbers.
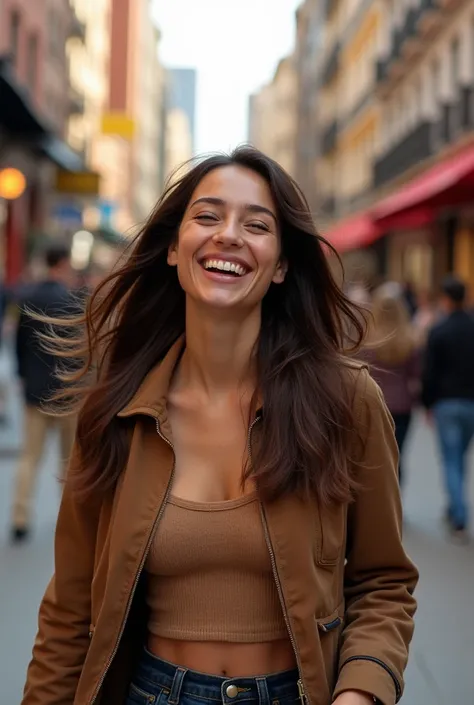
pixel 64 617
pixel 379 577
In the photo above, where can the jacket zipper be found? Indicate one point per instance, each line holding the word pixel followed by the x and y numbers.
pixel 301 688
pixel 140 569
pixel 383 665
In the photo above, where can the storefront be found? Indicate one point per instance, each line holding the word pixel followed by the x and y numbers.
pixel 426 227
pixel 31 148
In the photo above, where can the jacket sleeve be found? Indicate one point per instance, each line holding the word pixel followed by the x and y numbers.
pixel 62 640
pixel 22 342
pixel 379 577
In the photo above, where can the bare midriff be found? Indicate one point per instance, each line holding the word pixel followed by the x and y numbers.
pixel 225 659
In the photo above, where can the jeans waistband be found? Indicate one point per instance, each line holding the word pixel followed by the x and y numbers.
pixel 181 681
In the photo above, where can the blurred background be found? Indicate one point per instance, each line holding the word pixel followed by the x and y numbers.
pixel 369 104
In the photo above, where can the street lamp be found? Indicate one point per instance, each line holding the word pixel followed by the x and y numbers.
pixel 12 183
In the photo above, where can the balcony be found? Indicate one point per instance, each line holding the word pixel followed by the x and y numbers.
pixel 331 66
pixel 430 16
pixel 329 138
pixel 76 102
pixel 408 40
pixel 466 108
pixel 412 149
pixel 329 7
pixel 77 29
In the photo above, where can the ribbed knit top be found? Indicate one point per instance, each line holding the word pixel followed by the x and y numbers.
pixel 210 574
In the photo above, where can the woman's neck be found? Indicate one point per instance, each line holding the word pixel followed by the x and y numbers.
pixel 219 353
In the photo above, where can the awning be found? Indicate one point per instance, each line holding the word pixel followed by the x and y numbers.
pixel 20 120
pixel 450 182
pixel 17 114
pixel 354 232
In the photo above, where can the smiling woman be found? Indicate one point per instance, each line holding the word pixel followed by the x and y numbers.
pixel 215 540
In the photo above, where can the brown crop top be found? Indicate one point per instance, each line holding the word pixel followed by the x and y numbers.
pixel 210 575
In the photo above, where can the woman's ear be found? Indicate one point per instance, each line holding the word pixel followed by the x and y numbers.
pixel 173 254
pixel 280 272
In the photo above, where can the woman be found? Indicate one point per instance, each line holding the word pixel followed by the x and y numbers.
pixel 230 460
pixel 393 352
pixel 425 317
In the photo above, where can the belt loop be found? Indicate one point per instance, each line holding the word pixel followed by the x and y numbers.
pixel 175 691
pixel 263 695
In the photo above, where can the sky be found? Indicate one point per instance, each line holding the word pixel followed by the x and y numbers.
pixel 235 45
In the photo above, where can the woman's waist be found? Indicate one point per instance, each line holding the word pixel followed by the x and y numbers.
pixel 225 659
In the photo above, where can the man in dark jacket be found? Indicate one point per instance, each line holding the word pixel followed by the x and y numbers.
pixel 448 391
pixel 37 372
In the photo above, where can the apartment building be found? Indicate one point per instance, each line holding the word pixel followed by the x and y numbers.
pixel 425 89
pixel 272 116
pixel 391 113
pixel 36 105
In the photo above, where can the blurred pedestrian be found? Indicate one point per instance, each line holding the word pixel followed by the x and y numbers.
pixel 411 299
pixel 395 359
pixel 232 506
pixel 448 392
pixel 37 373
pixel 425 317
pixel 3 385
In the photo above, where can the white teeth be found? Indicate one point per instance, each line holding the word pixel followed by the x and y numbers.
pixel 224 266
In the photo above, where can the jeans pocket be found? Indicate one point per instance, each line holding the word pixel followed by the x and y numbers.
pixel 139 696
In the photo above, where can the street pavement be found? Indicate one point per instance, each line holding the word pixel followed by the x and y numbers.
pixel 441 668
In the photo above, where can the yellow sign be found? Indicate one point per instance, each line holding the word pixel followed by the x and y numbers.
pixel 119 124
pixel 12 183
pixel 85 183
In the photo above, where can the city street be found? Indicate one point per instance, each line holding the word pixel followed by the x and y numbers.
pixel 441 668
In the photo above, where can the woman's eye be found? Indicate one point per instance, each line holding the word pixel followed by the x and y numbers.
pixel 259 226
pixel 206 217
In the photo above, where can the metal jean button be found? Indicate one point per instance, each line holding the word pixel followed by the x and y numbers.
pixel 231 691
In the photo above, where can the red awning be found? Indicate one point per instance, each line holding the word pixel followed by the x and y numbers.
pixel 450 182
pixel 354 232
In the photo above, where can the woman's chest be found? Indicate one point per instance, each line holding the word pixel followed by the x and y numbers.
pixel 211 452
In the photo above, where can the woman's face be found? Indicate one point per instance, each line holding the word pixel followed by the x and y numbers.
pixel 228 249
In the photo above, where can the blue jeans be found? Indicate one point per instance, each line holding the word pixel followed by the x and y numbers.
pixel 455 424
pixel 158 682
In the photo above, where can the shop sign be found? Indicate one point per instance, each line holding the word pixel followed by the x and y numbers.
pixel 85 183
pixel 119 124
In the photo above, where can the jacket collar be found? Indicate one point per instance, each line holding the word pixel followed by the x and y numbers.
pixel 150 397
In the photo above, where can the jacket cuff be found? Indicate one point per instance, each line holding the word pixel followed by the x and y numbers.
pixel 367 677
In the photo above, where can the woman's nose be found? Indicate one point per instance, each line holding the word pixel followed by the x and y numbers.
pixel 229 234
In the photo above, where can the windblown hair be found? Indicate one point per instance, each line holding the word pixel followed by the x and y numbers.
pixel 138 312
pixel 390 335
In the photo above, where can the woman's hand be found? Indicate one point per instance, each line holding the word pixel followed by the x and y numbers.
pixel 354 697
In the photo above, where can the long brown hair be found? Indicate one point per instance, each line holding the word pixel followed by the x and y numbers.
pixel 390 334
pixel 138 312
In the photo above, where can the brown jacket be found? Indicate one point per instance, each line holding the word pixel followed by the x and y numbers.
pixel 344 579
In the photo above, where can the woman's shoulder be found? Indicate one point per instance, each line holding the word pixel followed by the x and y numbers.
pixel 360 385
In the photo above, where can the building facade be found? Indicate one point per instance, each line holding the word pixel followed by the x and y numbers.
pixel 390 156
pixel 35 107
pixel 272 116
pixel 180 117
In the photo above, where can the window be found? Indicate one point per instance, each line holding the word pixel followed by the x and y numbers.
pixel 32 61
pixel 455 60
pixel 14 35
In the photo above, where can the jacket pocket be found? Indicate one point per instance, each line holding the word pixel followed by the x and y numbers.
pixel 332 533
pixel 330 629
pixel 332 622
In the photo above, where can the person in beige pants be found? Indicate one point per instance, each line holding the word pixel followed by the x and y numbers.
pixel 37 370
pixel 36 429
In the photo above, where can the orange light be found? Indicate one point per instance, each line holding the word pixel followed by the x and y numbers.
pixel 12 183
